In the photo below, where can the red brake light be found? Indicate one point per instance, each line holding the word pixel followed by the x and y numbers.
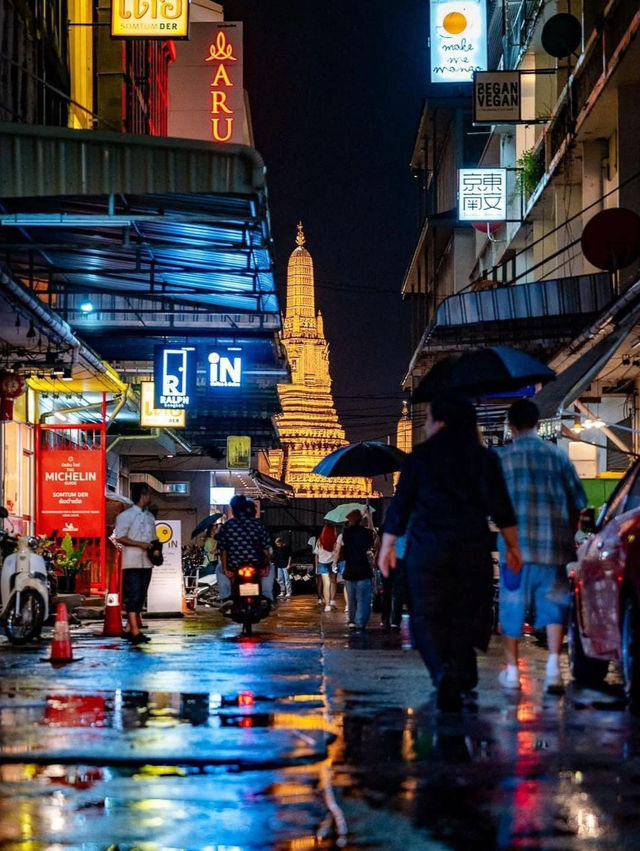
pixel 246 698
pixel 247 572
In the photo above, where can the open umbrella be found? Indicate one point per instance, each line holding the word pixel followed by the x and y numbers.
pixel 339 514
pixel 203 525
pixel 481 372
pixel 367 458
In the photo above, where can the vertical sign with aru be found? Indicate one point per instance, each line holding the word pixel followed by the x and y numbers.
pixel 226 88
pixel 206 88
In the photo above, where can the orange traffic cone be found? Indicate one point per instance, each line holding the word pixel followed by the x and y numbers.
pixel 61 652
pixel 112 613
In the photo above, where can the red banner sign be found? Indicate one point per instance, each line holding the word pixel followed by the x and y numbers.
pixel 71 492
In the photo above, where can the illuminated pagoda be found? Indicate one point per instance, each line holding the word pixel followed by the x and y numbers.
pixel 308 426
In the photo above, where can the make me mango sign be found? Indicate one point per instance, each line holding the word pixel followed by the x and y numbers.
pixel 150 18
pixel 458 40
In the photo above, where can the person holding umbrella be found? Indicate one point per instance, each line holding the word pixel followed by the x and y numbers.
pixel 448 486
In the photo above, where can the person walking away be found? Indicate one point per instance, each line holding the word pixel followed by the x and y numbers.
pixel 324 552
pixel 547 496
pixel 282 566
pixel 448 486
pixel 135 529
pixel 393 587
pixel 356 543
pixel 244 540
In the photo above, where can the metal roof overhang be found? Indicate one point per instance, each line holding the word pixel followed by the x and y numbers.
pixel 148 230
pixel 539 314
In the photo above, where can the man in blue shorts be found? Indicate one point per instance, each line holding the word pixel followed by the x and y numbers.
pixel 547 497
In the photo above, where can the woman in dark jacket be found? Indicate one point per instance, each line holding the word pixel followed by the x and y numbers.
pixel 449 486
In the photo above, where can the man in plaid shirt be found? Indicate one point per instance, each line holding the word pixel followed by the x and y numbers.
pixel 547 496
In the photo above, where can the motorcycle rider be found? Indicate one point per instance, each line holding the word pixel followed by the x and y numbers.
pixel 244 540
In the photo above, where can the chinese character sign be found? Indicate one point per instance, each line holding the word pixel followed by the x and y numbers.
pixel 206 88
pixel 482 194
pixel 458 40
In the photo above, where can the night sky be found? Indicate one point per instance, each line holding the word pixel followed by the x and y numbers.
pixel 336 90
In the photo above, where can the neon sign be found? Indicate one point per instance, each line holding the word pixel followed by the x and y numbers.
pixel 150 18
pixel 174 377
pixel 458 37
pixel 226 95
pixel 224 371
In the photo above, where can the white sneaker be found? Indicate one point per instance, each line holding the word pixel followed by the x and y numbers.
pixel 333 605
pixel 509 679
pixel 327 608
pixel 553 683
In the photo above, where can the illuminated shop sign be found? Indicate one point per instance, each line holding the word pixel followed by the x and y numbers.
pixel 238 452
pixel 482 194
pixel 152 417
pixel 496 97
pixel 150 18
pixel 206 86
pixel 458 39
pixel 174 376
pixel 71 492
pixel 224 370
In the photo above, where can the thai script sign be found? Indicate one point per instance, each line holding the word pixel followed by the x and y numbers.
pixel 496 97
pixel 458 39
pixel 482 194
pixel 152 417
pixel 206 87
pixel 150 18
pixel 71 492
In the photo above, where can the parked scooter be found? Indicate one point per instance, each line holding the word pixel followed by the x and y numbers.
pixel 248 605
pixel 25 594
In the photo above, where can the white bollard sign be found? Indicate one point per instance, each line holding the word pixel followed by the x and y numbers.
pixel 165 590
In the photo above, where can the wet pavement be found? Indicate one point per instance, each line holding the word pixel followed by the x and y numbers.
pixel 303 736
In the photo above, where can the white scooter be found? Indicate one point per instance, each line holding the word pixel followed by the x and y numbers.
pixel 25 595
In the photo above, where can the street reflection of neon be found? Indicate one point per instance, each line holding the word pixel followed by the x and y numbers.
pixel 246 698
pixel 246 722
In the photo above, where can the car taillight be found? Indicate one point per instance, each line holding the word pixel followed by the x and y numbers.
pixel 247 572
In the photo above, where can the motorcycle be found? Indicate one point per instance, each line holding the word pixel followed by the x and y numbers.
pixel 24 592
pixel 248 605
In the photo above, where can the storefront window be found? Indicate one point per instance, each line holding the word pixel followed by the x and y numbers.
pixel 17 485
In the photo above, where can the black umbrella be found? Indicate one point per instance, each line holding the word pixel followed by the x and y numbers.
pixel 203 525
pixel 367 458
pixel 483 372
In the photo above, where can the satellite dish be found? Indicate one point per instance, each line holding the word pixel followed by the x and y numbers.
pixel 561 35
pixel 611 239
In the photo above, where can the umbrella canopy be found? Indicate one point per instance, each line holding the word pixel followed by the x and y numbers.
pixel 367 458
pixel 203 525
pixel 481 372
pixel 339 514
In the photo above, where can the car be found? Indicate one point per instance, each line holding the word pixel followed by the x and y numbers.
pixel 604 616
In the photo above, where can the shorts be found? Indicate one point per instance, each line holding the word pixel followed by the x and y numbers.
pixel 135 583
pixel 541 599
pixel 324 568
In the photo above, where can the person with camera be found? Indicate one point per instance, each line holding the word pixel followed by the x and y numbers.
pixel 135 531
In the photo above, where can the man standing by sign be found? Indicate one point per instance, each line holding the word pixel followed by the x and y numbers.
pixel 134 531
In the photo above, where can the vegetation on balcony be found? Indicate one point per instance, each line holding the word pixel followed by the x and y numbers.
pixel 530 167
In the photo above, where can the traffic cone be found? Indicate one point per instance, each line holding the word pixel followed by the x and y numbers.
pixel 61 652
pixel 112 613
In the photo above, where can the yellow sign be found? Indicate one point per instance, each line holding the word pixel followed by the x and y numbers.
pixel 150 18
pixel 151 417
pixel 238 452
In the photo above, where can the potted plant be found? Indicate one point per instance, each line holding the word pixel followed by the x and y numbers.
pixel 69 561
pixel 530 171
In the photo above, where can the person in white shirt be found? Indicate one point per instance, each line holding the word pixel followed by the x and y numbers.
pixel 135 529
pixel 324 551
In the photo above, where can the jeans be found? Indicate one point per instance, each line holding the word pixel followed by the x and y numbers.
pixel 284 581
pixel 359 601
pixel 224 583
pixel 450 587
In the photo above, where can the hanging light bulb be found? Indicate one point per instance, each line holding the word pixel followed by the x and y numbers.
pixel 599 423
pixel 588 423
pixel 577 427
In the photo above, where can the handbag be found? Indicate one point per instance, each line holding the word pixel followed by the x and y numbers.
pixel 154 553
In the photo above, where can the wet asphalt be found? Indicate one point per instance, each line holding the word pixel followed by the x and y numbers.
pixel 302 736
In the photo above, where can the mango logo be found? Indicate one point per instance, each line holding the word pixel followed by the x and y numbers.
pixel 164 532
pixel 454 23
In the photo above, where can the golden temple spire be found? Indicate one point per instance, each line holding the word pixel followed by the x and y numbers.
pixel 301 308
pixel 300 240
